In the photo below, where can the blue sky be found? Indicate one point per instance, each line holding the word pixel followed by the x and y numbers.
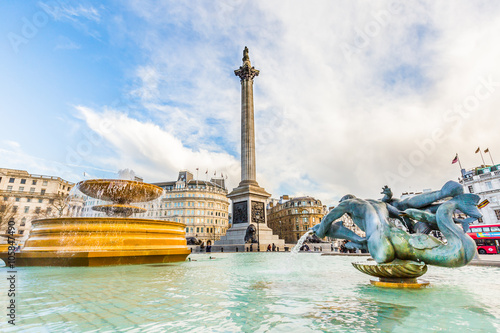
pixel 352 95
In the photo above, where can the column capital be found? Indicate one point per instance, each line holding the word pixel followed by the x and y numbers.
pixel 246 72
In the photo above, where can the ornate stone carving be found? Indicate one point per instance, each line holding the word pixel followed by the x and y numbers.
pixel 258 214
pixel 246 72
pixel 240 212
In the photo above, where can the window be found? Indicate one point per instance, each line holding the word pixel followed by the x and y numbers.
pixel 33 182
pixel 489 186
pixel 41 200
pixel 44 183
pixel 18 199
pixel 21 188
pixel 32 190
pixel 28 200
pixel 26 209
pixel 49 210
pixel 9 188
pixel 42 192
pixel 11 180
pixel 23 222
pixel 37 210
pixel 5 198
pixel 497 213
pixel 14 209
pixel 471 189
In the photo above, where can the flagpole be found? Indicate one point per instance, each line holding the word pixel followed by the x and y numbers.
pixel 489 152
pixel 459 163
pixel 478 150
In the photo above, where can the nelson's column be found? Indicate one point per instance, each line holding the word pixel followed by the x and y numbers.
pixel 248 199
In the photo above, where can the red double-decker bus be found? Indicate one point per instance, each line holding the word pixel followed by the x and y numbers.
pixel 487 238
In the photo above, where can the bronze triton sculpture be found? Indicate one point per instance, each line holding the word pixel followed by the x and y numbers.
pixel 395 250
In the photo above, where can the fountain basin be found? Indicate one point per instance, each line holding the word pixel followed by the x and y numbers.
pixel 102 241
pixel 120 191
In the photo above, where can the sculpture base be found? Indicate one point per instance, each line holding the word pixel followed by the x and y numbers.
pixel 400 283
pixel 396 274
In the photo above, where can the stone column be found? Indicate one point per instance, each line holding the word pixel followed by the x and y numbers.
pixel 246 73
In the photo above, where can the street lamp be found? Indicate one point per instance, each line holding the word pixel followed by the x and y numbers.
pixel 280 228
pixel 258 236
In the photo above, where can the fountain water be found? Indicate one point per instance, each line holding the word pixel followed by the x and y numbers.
pixel 113 240
pixel 301 241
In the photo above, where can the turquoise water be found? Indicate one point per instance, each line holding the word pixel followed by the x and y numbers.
pixel 249 292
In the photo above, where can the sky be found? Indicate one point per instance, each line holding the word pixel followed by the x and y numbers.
pixel 351 96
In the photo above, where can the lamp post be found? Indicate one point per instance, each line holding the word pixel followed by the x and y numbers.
pixel 257 215
pixel 280 228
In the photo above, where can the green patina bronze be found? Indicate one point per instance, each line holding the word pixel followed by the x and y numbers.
pixel 387 243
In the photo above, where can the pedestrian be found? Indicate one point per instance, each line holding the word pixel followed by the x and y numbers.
pixel 269 248
pixel 274 247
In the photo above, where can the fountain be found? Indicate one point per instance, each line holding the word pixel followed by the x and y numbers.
pixel 399 257
pixel 116 239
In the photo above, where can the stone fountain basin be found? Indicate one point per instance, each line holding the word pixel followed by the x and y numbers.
pixel 102 241
pixel 120 191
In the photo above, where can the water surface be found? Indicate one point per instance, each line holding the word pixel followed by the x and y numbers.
pixel 249 292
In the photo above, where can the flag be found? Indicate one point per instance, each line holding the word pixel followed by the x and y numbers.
pixel 483 203
pixel 206 172
pixel 478 150
pixel 487 150
pixel 455 160
pixel 215 173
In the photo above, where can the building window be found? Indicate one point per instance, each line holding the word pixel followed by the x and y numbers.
pixel 489 186
pixel 28 200
pixel 9 188
pixel 37 210
pixel 42 192
pixel 32 190
pixel 11 180
pixel 33 182
pixel 18 199
pixel 41 200
pixel 497 213
pixel 471 189
pixel 14 209
pixel 5 198
pixel 23 181
pixel 21 189
pixel 26 209
pixel 44 183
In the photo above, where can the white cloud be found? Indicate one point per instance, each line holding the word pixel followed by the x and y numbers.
pixel 327 124
pixel 150 151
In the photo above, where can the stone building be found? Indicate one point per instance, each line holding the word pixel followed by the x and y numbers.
pixel 485 182
pixel 25 197
pixel 290 217
pixel 201 205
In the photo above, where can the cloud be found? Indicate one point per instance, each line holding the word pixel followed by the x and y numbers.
pixel 149 150
pixel 61 11
pixel 64 43
pixel 351 96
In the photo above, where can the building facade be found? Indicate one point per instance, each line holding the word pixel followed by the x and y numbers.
pixel 26 197
pixel 201 205
pixel 290 218
pixel 485 182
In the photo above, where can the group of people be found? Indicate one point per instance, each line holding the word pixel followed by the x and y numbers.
pixel 272 248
